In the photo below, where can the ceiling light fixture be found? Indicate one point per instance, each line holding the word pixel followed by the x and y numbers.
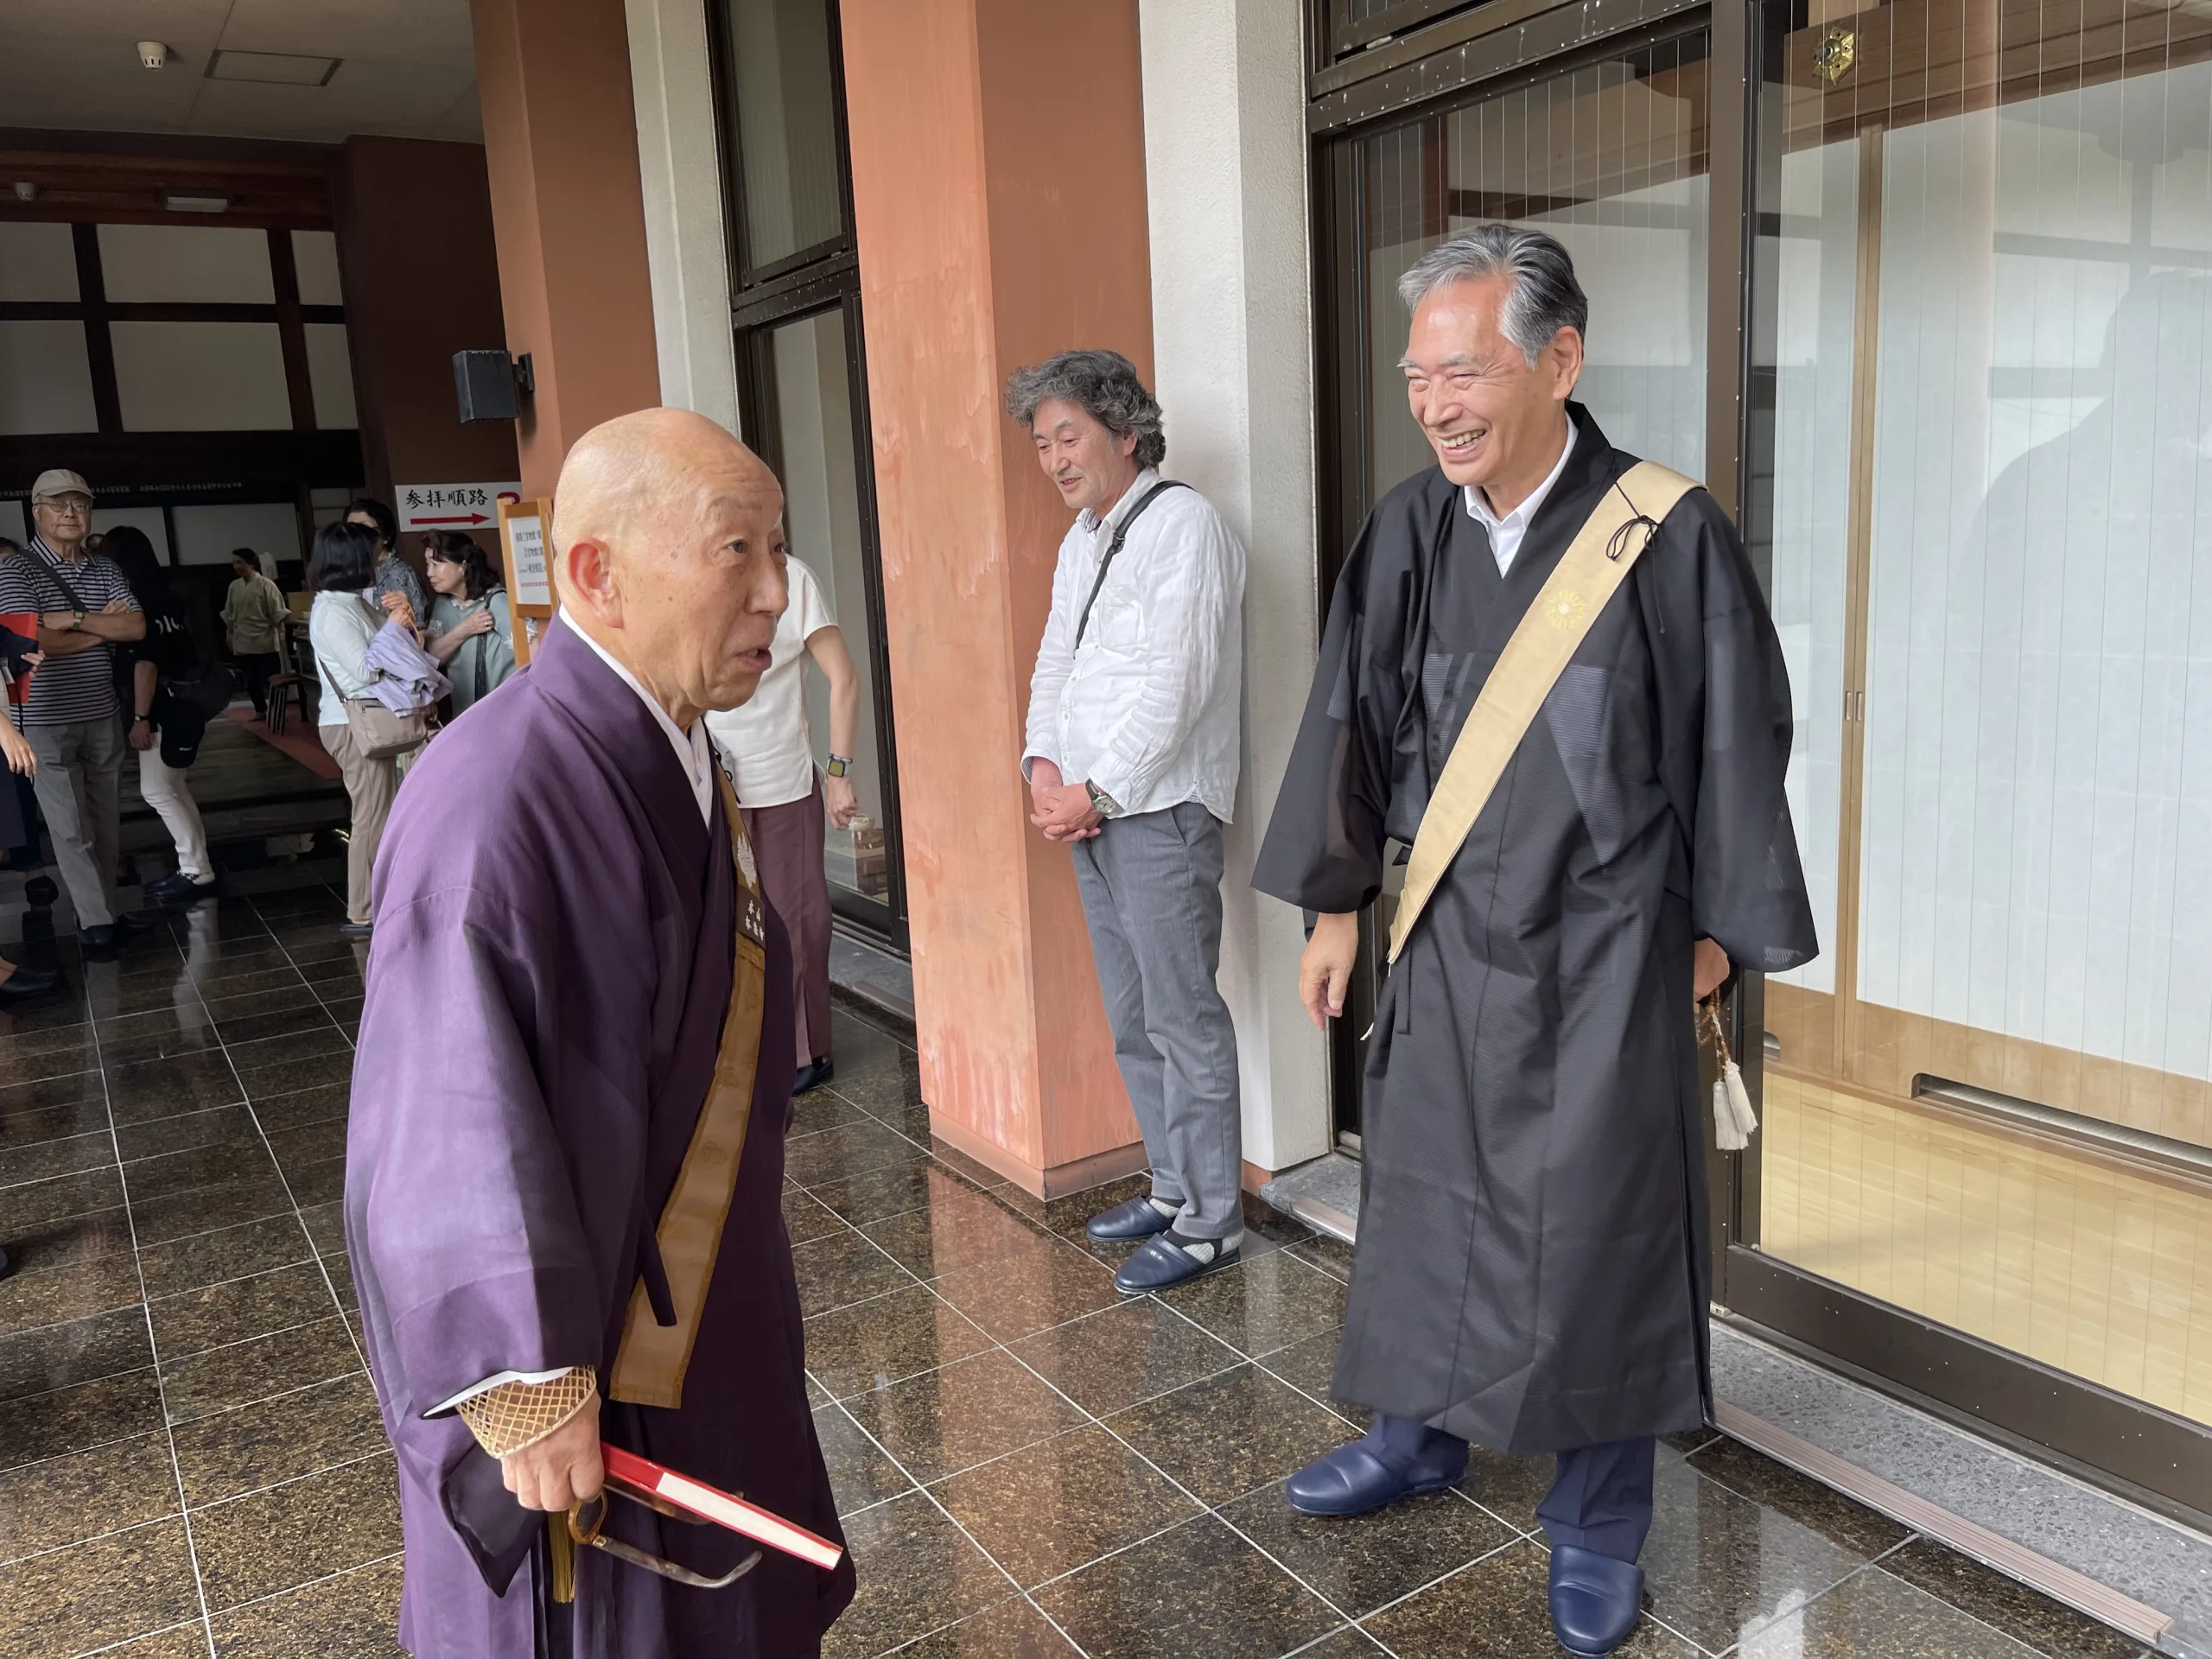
pixel 26 191
pixel 179 201
pixel 153 54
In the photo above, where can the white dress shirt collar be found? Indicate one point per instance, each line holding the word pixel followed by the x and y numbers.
pixel 1090 521
pixel 1505 534
pixel 693 751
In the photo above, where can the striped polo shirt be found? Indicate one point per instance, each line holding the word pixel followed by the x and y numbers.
pixel 80 688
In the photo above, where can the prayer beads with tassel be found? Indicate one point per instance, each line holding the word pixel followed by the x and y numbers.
pixel 1732 1117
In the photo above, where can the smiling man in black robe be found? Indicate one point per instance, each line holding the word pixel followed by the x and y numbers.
pixel 1530 1271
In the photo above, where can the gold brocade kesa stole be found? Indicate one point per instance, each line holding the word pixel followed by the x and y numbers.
pixel 649 1366
pixel 1544 641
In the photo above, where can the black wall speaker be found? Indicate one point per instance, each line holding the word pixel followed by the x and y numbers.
pixel 488 385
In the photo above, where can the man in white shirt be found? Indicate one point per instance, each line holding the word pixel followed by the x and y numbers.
pixel 1131 758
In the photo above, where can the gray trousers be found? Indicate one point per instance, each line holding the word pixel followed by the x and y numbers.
pixel 79 792
pixel 1151 887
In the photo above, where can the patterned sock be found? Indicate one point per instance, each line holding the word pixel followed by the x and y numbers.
pixel 1206 1250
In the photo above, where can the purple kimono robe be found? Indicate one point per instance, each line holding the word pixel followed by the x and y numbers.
pixel 546 994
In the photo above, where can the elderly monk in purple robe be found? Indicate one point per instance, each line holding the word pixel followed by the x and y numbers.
pixel 579 1015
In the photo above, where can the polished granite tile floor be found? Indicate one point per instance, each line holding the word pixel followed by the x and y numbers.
pixel 1026 1463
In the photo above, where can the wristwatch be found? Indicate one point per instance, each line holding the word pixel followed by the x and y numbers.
pixel 837 765
pixel 76 619
pixel 1107 805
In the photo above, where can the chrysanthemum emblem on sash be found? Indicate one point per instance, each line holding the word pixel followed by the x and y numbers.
pixel 1563 609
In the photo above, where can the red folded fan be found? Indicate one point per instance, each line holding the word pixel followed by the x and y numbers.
pixel 696 1497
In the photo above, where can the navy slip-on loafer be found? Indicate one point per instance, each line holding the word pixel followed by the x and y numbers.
pixel 1135 1219
pixel 1161 1262
pixel 813 1075
pixel 1351 1480
pixel 1596 1600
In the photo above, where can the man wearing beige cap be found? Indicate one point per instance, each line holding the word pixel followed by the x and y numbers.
pixel 73 717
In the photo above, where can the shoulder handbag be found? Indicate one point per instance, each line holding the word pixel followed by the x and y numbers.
pixel 379 734
pixel 1121 535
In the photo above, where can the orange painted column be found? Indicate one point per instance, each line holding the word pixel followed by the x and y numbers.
pixel 999 200
pixel 568 217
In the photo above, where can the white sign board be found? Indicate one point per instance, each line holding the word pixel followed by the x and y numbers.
pixel 452 506
pixel 528 582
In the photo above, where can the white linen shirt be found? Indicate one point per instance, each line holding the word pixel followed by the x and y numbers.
pixel 1505 533
pixel 1147 705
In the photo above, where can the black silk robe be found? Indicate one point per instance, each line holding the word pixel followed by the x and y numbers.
pixel 1530 1273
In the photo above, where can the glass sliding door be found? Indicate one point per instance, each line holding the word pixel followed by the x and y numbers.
pixel 1611 156
pixel 803 385
pixel 785 132
pixel 803 374
pixel 1983 450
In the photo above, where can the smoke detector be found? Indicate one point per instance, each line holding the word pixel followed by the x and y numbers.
pixel 153 54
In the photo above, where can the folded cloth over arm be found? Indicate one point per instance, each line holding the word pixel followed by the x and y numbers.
pixel 402 676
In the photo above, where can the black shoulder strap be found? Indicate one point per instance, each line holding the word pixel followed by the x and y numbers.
pixel 1121 534
pixel 39 557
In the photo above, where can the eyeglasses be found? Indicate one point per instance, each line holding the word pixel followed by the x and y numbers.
pixel 68 505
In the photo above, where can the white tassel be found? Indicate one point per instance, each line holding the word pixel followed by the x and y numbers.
pixel 1732 1117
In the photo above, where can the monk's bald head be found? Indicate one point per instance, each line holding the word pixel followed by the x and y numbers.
pixel 629 481
pixel 668 544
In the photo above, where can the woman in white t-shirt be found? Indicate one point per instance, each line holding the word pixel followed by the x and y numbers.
pixel 783 796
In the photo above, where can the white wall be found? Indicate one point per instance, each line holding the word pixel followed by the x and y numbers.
pixel 679 166
pixel 1225 148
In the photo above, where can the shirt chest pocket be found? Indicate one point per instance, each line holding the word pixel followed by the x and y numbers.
pixel 1118 623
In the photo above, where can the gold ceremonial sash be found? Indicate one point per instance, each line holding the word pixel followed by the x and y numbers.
pixel 1595 564
pixel 649 1364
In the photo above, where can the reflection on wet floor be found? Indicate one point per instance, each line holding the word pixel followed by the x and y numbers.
pixel 1028 1463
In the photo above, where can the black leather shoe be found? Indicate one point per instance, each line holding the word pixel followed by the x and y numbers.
pixel 354 929
pixel 1596 1600
pixel 1169 1259
pixel 1351 1480
pixel 26 983
pixel 813 1075
pixel 101 938
pixel 178 889
pixel 1138 1218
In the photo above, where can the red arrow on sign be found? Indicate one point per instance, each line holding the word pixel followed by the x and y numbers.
pixel 472 518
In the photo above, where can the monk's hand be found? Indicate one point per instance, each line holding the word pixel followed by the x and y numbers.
pixel 562 1469
pixel 1325 971
pixel 1708 969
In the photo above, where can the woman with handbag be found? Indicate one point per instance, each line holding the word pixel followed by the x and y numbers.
pixel 341 626
pixel 165 733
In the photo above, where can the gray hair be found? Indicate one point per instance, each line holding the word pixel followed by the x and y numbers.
pixel 1104 386
pixel 1544 298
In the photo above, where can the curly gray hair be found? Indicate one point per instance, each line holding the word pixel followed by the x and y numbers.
pixel 1104 386
pixel 1545 296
